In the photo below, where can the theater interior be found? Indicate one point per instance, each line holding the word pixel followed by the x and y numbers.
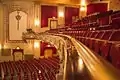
pixel 59 39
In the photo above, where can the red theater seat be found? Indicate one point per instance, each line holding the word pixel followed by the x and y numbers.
pixel 94 41
pixel 115 36
pixel 99 44
pixel 115 55
pixel 93 36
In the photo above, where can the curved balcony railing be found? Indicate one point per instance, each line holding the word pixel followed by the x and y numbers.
pixel 80 63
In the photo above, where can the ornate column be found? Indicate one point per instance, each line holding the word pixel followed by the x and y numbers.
pixel 36 17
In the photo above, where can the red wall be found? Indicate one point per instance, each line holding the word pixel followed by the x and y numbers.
pixel 69 12
pixel 96 7
pixel 47 12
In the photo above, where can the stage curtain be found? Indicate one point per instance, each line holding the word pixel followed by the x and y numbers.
pixel 47 12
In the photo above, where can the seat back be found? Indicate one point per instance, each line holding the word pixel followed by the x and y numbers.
pixel 106 35
pixel 115 55
pixel 115 36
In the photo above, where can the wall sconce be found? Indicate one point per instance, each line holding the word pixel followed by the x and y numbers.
pixel 5 46
pixel 83 5
pixel 0 46
pixel 82 8
pixel 36 45
pixel 61 14
pixel 37 22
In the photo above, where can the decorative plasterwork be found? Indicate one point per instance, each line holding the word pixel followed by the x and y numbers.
pixel 11 6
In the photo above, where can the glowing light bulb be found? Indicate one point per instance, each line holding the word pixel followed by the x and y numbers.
pixel 36 45
pixel 0 46
pixel 61 14
pixel 37 22
pixel 83 8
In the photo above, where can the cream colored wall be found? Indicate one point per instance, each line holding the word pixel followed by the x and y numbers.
pixel 16 28
pixel 114 5
pixel 25 6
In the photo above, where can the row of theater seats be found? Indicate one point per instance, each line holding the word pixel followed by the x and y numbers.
pixel 99 32
pixel 105 18
pixel 106 43
pixel 36 69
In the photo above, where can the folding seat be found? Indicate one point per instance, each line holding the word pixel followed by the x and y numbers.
pixel 57 60
pixel 76 34
pixel 115 14
pixel 115 55
pixel 93 36
pixel 18 70
pixel 115 36
pixel 105 45
pixel 4 69
pixel 115 17
pixel 12 71
pixel 56 64
pixel 93 44
pixel 88 38
pixel 100 43
pixel 104 21
pixel 85 36
pixel 81 36
pixel 116 22
pixel 40 70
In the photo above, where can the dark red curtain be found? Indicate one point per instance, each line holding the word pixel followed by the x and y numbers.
pixel 47 12
pixel 42 48
pixel 96 7
pixel 69 12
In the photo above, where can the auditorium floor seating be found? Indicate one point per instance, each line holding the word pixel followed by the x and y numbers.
pixel 36 69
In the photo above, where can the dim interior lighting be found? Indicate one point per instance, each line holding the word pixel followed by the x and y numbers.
pixel 17 47
pixel 36 44
pixel 61 14
pixel 37 22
